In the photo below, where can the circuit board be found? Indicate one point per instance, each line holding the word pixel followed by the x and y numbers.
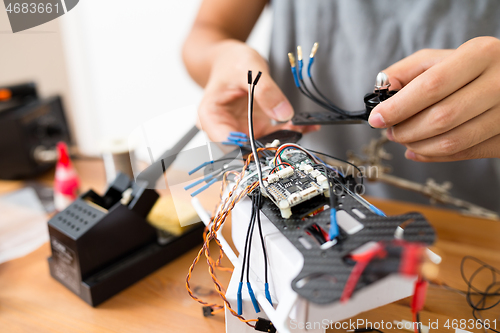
pixel 291 187
pixel 295 184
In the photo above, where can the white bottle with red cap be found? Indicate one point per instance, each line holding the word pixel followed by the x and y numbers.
pixel 66 180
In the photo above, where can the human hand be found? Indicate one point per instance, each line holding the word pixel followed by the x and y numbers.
pixel 448 108
pixel 223 108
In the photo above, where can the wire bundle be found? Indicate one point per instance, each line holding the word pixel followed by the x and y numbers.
pixel 478 298
pixel 318 98
pixel 255 217
pixel 244 184
pixel 220 216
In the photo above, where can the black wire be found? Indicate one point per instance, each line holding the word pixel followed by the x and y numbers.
pixel 326 104
pixel 480 305
pixel 261 235
pixel 333 197
pixel 320 93
pixel 250 239
pixel 341 160
pixel 252 218
pixel 333 107
pixel 314 99
pixel 251 132
pixel 418 321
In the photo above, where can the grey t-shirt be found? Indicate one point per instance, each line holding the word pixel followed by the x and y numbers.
pixel 359 38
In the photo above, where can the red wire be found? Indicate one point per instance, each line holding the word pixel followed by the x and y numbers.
pixel 358 269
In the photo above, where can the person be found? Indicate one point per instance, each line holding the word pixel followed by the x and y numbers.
pixel 444 56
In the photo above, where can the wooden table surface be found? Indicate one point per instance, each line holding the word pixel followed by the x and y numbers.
pixel 31 301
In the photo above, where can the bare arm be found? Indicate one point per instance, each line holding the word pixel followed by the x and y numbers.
pixel 218 22
pixel 217 58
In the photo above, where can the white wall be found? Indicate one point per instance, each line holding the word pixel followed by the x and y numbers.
pixel 34 55
pixel 125 67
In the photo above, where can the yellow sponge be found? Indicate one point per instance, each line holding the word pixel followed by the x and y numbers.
pixel 173 218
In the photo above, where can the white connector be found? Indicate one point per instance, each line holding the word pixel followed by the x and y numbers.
pixel 314 173
pixel 285 173
pixel 307 168
pixel 273 178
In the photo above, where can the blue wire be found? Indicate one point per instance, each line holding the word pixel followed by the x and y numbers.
pixel 199 167
pixel 237 139
pixel 203 188
pixel 252 297
pixel 240 134
pixel 334 227
pixel 232 143
pixel 268 294
pixel 198 182
pixel 376 210
pixel 301 65
pixel 335 169
pixel 239 299
pixel 295 78
pixel 309 65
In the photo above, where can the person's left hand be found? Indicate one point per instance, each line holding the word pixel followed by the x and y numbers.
pixel 448 108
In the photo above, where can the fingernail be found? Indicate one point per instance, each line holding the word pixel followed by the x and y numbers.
pixel 376 120
pixel 283 111
pixel 389 134
pixel 410 155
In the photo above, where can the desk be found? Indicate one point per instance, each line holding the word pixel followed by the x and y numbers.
pixel 31 301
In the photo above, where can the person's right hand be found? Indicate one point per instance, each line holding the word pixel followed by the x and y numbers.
pixel 224 107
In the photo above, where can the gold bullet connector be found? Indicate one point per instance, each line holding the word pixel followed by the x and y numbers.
pixel 299 53
pixel 314 50
pixel 292 59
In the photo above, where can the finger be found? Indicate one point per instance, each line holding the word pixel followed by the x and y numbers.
pixel 402 72
pixel 452 73
pixel 486 149
pixel 218 130
pixel 216 113
pixel 271 99
pixel 470 101
pixel 468 135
